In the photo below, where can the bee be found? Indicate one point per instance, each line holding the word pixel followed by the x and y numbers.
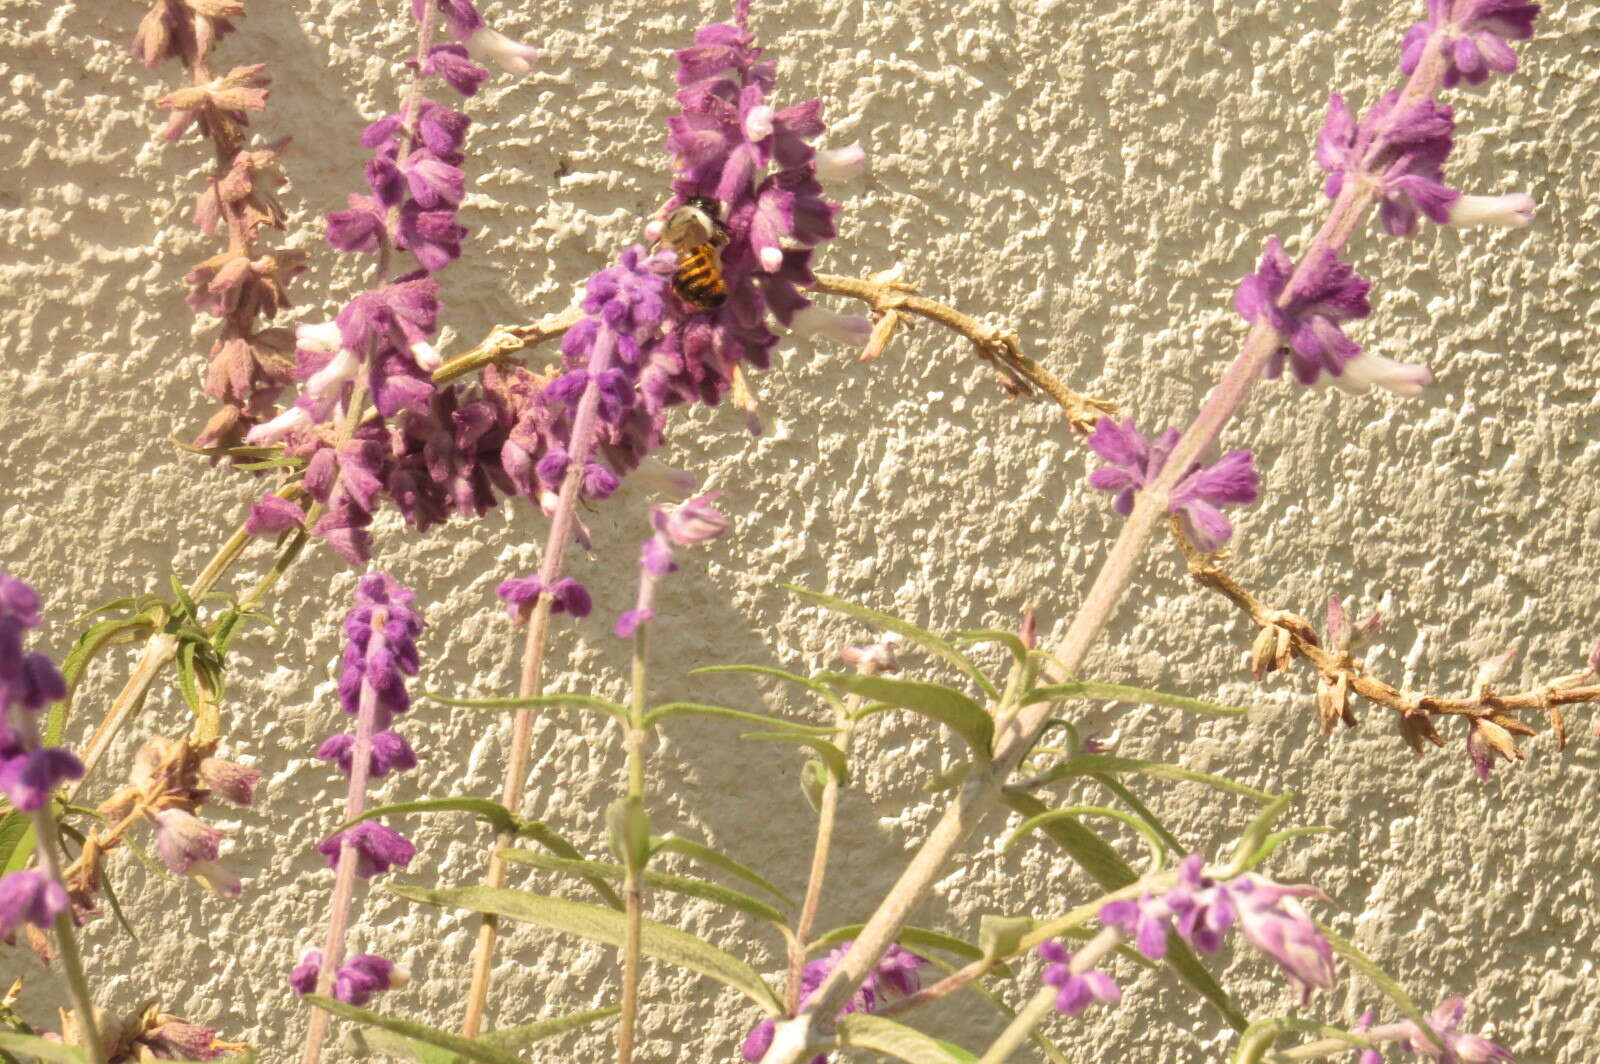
pixel 695 231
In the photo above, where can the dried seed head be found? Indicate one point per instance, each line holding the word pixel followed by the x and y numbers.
pixel 1333 702
pixel 1264 652
pixel 1417 729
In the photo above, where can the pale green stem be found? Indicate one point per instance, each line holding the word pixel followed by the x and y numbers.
pixel 633 884
pixel 1020 1029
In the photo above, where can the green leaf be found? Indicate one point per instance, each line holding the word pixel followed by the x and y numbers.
pixel 949 779
pixel 831 755
pixel 1277 838
pixel 1010 640
pixel 556 843
pixel 694 888
pixel 607 926
pixel 16 840
pixel 180 596
pixel 699 851
pixel 923 638
pixel 628 830
pixel 492 812
pixel 1259 1037
pixel 1131 800
pixel 95 639
pixel 1382 980
pixel 814 686
pixel 1001 936
pixel 917 938
pixel 1153 842
pixel 1108 869
pixel 1090 764
pixel 934 701
pixel 40 1049
pixel 697 709
pixel 469 1048
pixel 509 1038
pixel 556 701
pixel 863 1030
pixel 1112 692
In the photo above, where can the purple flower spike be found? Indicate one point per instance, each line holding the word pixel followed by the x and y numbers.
pixel 897 975
pixel 1474 43
pixel 688 523
pixel 1404 150
pixel 390 753
pixel 29 897
pixel 1135 463
pixel 378 848
pixel 567 596
pixel 380 665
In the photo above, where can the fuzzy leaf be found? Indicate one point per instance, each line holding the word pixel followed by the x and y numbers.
pixel 889 623
pixel 492 812
pixel 607 926
pixel 16 840
pixel 699 851
pixel 697 709
pixel 470 1048
pixel 1153 841
pixel 935 701
pixel 833 757
pixel 863 1030
pixel 400 1047
pixel 1010 640
pixel 1090 764
pixel 1111 692
pixel 814 686
pixel 694 888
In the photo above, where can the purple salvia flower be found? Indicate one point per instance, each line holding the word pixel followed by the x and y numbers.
pixel 897 975
pixel 29 681
pixel 390 753
pixel 229 780
pixel 29 776
pixel 1404 150
pixel 1136 462
pixel 1309 318
pixel 567 596
pixel 451 62
pixel 1459 1048
pixel 1076 991
pixel 189 846
pixel 1471 35
pixel 365 976
pixel 380 664
pixel 29 897
pixel 378 848
pixel 1272 920
pixel 273 514
pixel 688 523
pixel 303 977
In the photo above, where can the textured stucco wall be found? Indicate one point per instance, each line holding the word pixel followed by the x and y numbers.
pixel 1099 173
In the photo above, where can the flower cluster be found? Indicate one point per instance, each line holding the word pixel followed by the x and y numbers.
pixel 1445 1022
pixel 1203 910
pixel 1077 990
pixel 897 975
pixel 1399 149
pixel 381 651
pixel 243 283
pixel 429 450
pixel 684 525
pixel 358 980
pixel 1135 462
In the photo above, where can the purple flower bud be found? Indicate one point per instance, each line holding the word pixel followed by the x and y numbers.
pixel 378 848
pixel 387 182
pixel 1229 481
pixel 1459 1048
pixel 450 62
pixel 505 53
pixel 29 776
pixel 1272 920
pixel 273 514
pixel 1328 292
pixel 390 753
pixel 695 521
pixel 232 781
pixel 433 182
pixel 29 897
pixel 519 595
pixel 630 620
pixel 569 596
pixel 183 839
pixel 1473 42
pixel 1077 992
pixel 897 974
pixel 366 975
pixel 38 684
pixel 303 978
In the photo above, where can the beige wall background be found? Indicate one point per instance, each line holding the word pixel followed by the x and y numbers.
pixel 1100 174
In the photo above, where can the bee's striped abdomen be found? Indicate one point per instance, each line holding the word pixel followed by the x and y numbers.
pixel 699 278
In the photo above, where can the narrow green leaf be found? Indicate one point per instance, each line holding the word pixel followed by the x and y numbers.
pixel 1380 979
pixel 94 639
pixel 863 1030
pixel 1153 842
pixel 40 1049
pixel 556 843
pixel 607 926
pixel 1259 1037
pixel 831 755
pixel 469 1048
pixel 699 851
pixel 949 779
pixel 694 888
pixel 1010 640
pixel 1108 869
pixel 1277 838
pixel 508 1038
pixel 492 812
pixel 188 684
pixel 180 596
pixel 1090 764
pixel 814 686
pixel 1255 833
pixel 556 701
pixel 889 623
pixel 934 701
pixel 697 709
pixel 1131 800
pixel 919 939
pixel 1112 692
pixel 270 463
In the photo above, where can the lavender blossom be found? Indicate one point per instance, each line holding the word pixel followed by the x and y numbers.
pixel 390 753
pixel 357 981
pixel 566 596
pixel 1135 463
pixel 1471 35
pixel 1459 1048
pixel 1202 910
pixel 1077 991
pixel 29 681
pixel 695 521
pixel 1404 148
pixel 29 897
pixel 272 514
pixel 378 848
pixel 897 975
pixel 380 665
pixel 190 847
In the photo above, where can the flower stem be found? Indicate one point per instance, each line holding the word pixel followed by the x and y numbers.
pixel 981 789
pixel 1021 1026
pixel 345 878
pixel 633 884
pixel 533 654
